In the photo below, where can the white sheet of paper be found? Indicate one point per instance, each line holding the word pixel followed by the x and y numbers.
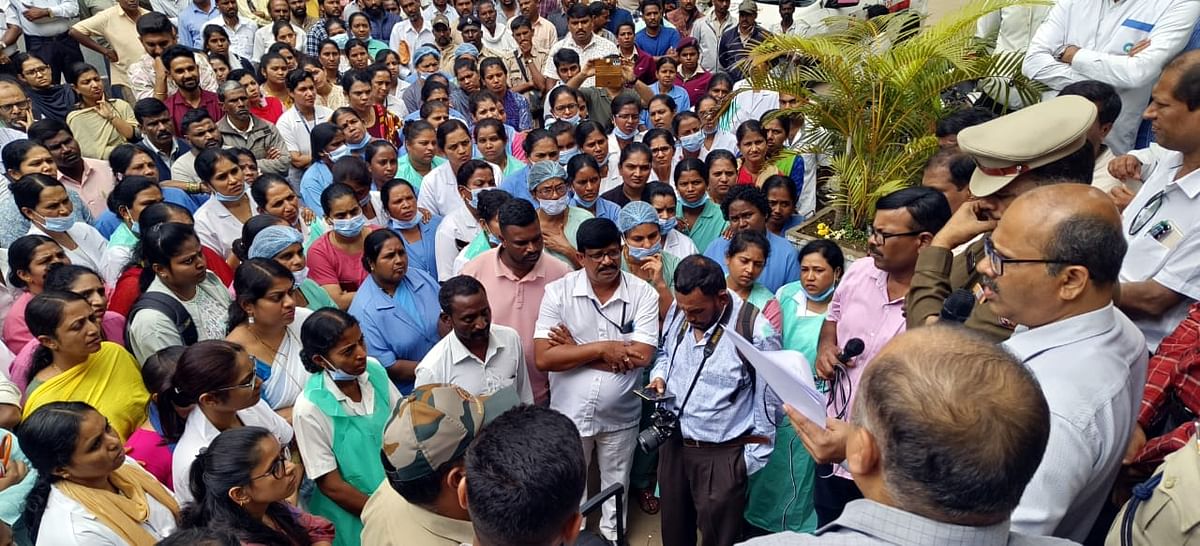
pixel 788 374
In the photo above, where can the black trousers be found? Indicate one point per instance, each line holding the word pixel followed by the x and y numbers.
pixel 58 51
pixel 702 487
pixel 831 494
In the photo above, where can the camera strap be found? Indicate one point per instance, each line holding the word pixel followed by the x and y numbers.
pixel 709 348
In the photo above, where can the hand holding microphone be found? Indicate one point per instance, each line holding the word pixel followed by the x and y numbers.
pixel 831 357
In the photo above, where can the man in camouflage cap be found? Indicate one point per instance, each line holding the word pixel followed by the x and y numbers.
pixel 423 447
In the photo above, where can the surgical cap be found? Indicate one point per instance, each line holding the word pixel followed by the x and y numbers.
pixel 272 240
pixel 426 50
pixel 466 49
pixel 545 170
pixel 635 214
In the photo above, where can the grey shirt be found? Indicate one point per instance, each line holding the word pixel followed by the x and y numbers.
pixel 868 522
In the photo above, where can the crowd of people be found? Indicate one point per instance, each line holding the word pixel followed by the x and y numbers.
pixel 377 273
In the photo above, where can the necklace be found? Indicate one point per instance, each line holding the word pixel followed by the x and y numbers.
pixel 274 350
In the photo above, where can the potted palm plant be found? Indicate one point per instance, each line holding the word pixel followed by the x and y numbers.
pixel 871 93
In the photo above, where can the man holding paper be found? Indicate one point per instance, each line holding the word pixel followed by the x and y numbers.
pixel 718 402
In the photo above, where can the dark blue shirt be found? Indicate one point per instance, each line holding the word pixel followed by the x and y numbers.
pixel 618 16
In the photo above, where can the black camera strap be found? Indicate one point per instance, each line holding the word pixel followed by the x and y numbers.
pixel 709 348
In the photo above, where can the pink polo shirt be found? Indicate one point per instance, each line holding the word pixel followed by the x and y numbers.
pixel 97 183
pixel 515 302
pixel 861 308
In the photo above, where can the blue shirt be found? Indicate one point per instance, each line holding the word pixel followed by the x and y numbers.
pixel 677 94
pixel 108 222
pixel 619 15
pixel 783 262
pixel 191 24
pixel 316 178
pixel 667 39
pixel 390 333
pixel 381 29
pixel 517 185
pixel 421 254
pixel 604 208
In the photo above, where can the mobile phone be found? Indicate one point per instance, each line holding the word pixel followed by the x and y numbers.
pixel 651 395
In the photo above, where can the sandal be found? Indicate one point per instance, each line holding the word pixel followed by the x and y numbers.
pixel 647 501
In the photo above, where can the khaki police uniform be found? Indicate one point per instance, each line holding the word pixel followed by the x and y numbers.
pixel 1172 513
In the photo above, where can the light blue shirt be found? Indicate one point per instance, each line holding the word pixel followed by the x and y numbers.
pixel 783 262
pixel 724 404
pixel 191 24
pixel 316 178
pixel 421 255
pixel 604 208
pixel 517 185
pixel 392 334
pixel 677 93
pixel 108 222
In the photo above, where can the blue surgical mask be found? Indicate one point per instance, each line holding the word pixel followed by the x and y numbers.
pixel 695 204
pixel 823 295
pixel 623 135
pixel 339 152
pixel 229 198
pixel 554 207
pixel 336 374
pixel 668 225
pixel 136 229
pixel 355 146
pixel 692 142
pixel 640 254
pixel 585 204
pixel 565 155
pixel 301 275
pixel 406 224
pixel 58 225
pixel 493 240
pixel 350 227
pixel 573 120
pixel 475 196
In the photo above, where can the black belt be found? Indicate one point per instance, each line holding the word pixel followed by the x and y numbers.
pixel 739 442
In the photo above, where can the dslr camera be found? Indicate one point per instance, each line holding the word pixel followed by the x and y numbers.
pixel 663 424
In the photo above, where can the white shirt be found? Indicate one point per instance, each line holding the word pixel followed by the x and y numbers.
pixel 1100 177
pixel 65 522
pixel 62 16
pixel 198 433
pixel 1011 28
pixel 503 365
pixel 89 251
pixel 439 190
pixel 598 48
pixel 598 401
pixel 724 140
pixel 459 225
pixel 679 245
pixel 709 43
pixel 503 40
pixel 296 132
pixel 1092 368
pixel 242 38
pixel 1175 266
pixel 431 11
pixel 264 38
pixel 404 32
pixel 314 429
pixel 614 169
pixel 1105 31
pixel 217 227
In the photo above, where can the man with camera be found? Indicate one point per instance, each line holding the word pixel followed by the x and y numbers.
pixel 710 414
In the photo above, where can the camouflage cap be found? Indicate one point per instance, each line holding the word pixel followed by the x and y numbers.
pixel 434 425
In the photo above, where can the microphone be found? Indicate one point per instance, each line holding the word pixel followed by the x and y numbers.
pixel 853 348
pixel 957 307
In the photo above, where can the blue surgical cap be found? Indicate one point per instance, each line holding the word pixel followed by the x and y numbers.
pixel 466 49
pixel 635 214
pixel 426 50
pixel 272 240
pixel 544 170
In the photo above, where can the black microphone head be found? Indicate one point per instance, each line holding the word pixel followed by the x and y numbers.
pixel 853 348
pixel 958 306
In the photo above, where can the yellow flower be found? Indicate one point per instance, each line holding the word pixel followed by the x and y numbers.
pixel 822 230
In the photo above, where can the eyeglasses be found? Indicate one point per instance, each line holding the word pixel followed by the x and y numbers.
pixel 627 117
pixel 12 107
pixel 278 469
pixel 551 192
pixel 1146 213
pixel 248 385
pixel 998 261
pixel 882 236
pixel 37 70
pixel 612 255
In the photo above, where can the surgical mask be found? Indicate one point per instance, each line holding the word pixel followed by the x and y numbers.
pixel 58 225
pixel 640 254
pixel 475 196
pixel 493 240
pixel 695 204
pixel 230 198
pixel 336 374
pixel 565 155
pixel 340 152
pixel 573 120
pixel 406 224
pixel 712 131
pixel 585 204
pixel 136 229
pixel 350 227
pixel 301 275
pixel 365 201
pixel 355 146
pixel 823 295
pixel 554 207
pixel 668 225
pixel 622 134
pixel 692 142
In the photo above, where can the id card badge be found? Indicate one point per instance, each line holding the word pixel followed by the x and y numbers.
pixel 1167 233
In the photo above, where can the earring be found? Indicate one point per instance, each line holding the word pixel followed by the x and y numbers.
pixel 251 319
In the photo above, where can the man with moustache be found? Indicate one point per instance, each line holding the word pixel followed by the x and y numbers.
pixel 158 135
pixel 1052 264
pixel 181 65
pixel 381 20
pixel 330 10
pixel 869 305
pixel 279 10
pixel 201 133
pixel 16 112
pixel 239 129
pixel 1006 168
pixel 410 34
pixel 300 18
pixel 148 76
pixel 596 329
pixel 476 356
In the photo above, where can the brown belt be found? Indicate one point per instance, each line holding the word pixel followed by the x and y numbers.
pixel 739 441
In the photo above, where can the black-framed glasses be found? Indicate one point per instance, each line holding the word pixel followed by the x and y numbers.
pixel 998 260
pixel 839 392
pixel 19 105
pixel 599 256
pixel 248 385
pixel 278 469
pixel 882 236
pixel 1146 213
